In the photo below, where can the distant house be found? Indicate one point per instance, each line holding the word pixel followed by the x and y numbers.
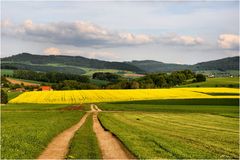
pixel 46 88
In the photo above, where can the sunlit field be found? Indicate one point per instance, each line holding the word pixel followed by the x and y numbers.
pixel 94 96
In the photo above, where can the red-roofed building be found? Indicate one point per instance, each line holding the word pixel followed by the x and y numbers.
pixel 46 88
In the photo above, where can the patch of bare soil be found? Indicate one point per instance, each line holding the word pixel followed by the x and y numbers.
pixel 94 107
pixel 58 147
pixel 110 146
pixel 14 81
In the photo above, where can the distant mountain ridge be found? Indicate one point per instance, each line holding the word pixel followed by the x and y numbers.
pixel 26 59
pixel 230 63
pixel 71 61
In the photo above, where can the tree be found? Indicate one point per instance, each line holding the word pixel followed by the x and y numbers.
pixel 161 81
pixel 4 97
pixel 134 85
pixel 200 78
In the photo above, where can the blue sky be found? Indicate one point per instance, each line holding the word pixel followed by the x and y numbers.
pixel 169 31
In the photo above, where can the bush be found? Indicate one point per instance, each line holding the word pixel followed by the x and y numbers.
pixel 4 97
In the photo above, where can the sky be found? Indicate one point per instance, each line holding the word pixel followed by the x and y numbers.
pixel 183 32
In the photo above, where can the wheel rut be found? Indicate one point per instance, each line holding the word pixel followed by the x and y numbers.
pixel 58 147
pixel 110 146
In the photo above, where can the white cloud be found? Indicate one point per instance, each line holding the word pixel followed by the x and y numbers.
pixel 185 40
pixel 135 39
pixel 78 33
pixel 52 51
pixel 85 34
pixel 229 41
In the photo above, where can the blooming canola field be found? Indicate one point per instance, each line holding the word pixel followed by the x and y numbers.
pixel 95 96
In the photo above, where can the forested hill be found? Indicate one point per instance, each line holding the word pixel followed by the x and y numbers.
pixel 26 59
pixel 155 66
pixel 71 61
pixel 230 63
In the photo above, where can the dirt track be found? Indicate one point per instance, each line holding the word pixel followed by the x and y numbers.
pixel 110 146
pixel 58 147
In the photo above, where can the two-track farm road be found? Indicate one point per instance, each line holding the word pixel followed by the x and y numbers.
pixel 110 146
pixel 58 147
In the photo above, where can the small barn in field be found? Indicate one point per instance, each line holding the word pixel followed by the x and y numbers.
pixel 46 88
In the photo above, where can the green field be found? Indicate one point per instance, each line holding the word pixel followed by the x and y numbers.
pixel 30 107
pixel 7 72
pixel 99 82
pixel 170 129
pixel 25 131
pixel 84 144
pixel 175 135
pixel 224 107
pixel 216 82
pixel 12 95
pixel 167 128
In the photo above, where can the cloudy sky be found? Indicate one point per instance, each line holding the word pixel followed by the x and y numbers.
pixel 184 32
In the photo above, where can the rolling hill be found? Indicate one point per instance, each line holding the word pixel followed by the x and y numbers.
pixel 73 64
pixel 155 66
pixel 77 61
pixel 230 63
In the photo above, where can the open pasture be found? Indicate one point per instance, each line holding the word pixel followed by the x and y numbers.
pixel 25 131
pixel 232 82
pixel 229 109
pixel 95 96
pixel 183 135
pixel 6 72
pixel 196 123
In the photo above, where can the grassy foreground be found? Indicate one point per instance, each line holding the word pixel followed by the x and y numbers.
pixel 176 129
pixel 25 133
pixel 84 143
pixel 175 135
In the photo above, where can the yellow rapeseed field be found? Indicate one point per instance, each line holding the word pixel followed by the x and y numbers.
pixel 94 96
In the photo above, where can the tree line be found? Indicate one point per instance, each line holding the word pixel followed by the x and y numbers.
pixel 159 80
pixel 62 81
pixel 50 77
